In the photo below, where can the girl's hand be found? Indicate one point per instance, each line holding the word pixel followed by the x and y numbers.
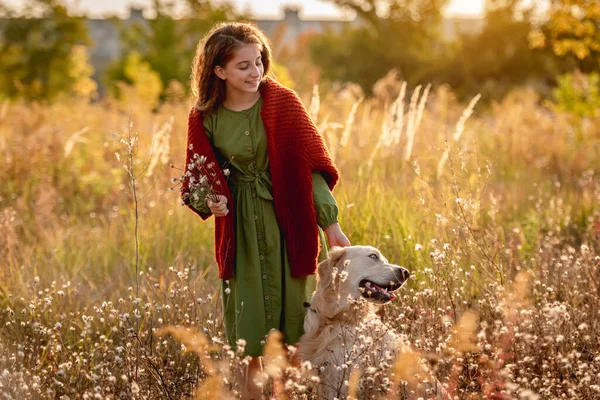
pixel 219 209
pixel 336 236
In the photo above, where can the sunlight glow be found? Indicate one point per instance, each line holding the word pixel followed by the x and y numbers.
pixel 465 7
pixel 260 9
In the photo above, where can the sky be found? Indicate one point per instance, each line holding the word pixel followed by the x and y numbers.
pixel 309 9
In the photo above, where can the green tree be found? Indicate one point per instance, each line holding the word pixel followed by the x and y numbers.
pixel 40 52
pixel 578 94
pixel 572 31
pixel 499 57
pixel 400 34
pixel 167 43
pixel 144 83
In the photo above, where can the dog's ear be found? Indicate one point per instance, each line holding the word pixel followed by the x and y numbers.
pixel 325 299
pixel 336 254
pixel 326 268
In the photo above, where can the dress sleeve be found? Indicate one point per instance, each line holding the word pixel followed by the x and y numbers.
pixel 325 204
pixel 197 198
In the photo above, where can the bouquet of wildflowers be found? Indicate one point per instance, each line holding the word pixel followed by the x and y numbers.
pixel 202 180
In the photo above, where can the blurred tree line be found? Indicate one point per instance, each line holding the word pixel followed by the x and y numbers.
pixel 41 53
pixel 43 57
pixel 157 56
pixel 516 45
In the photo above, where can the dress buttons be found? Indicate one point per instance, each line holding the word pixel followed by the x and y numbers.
pixel 266 297
pixel 258 237
pixel 246 133
pixel 255 217
pixel 261 257
pixel 268 316
pixel 253 195
pixel 244 115
pixel 264 277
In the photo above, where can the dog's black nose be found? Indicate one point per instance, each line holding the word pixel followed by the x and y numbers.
pixel 405 274
pixel 401 274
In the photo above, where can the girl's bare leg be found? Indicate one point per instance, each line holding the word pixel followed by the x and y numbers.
pixel 294 359
pixel 247 375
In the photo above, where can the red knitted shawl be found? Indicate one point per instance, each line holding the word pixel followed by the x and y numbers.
pixel 295 150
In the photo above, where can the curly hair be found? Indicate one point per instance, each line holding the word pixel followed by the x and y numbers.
pixel 217 49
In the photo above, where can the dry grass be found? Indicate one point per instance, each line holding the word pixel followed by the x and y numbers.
pixel 499 223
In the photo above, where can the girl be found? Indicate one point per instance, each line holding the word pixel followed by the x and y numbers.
pixel 277 198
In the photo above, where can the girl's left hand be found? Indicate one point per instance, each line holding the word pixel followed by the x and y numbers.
pixel 336 236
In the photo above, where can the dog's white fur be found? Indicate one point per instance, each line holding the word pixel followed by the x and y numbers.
pixel 342 330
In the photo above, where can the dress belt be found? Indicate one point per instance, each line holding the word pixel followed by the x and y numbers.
pixel 260 179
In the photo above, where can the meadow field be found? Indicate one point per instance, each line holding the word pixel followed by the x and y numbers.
pixel 494 207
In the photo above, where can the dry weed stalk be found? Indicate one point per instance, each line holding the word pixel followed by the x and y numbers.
pixel 414 120
pixel 324 127
pixel 408 369
pixel 3 109
pixel 353 384
pixel 161 149
pixel 393 123
pixel 458 131
pixel 9 237
pixel 464 336
pixel 75 138
pixel 349 123
pixel 315 104
pixel 398 115
pixel 211 387
pixel 276 362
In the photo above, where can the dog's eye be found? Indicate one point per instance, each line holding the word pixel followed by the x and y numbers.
pixel 374 256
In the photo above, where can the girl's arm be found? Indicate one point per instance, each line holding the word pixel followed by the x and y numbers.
pixel 327 212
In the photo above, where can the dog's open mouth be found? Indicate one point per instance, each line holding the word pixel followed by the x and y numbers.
pixel 380 293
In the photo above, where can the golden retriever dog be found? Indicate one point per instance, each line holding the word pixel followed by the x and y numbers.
pixel 342 331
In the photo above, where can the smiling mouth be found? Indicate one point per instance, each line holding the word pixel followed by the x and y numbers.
pixel 252 82
pixel 379 293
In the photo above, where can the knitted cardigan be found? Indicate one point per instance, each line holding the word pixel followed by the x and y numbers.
pixel 295 149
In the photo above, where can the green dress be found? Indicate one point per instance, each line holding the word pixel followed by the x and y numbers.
pixel 262 295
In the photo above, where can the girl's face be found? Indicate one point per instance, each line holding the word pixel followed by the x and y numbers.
pixel 243 73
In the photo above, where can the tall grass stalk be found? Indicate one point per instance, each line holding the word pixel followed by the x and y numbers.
pixel 393 123
pixel 389 121
pixel 161 148
pixel 458 131
pixel 414 120
pixel 315 104
pixel 129 167
pixel 74 138
pixel 349 123
pixel 398 115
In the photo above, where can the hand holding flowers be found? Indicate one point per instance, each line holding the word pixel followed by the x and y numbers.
pixel 218 208
pixel 204 186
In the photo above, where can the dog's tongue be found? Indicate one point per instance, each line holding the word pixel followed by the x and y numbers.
pixel 373 286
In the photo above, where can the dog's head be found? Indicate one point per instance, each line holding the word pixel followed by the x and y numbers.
pixel 356 272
